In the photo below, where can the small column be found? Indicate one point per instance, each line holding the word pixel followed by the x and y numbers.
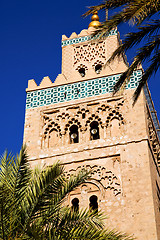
pixel 63 142
pixel 83 135
pixel 87 135
pixel 101 131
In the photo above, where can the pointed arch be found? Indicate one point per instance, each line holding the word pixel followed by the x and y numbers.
pixel 53 138
pixel 51 134
pixel 101 177
pixel 94 117
pixel 72 121
pixel 51 125
pixel 114 114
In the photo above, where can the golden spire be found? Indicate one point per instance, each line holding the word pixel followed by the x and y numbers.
pixel 95 20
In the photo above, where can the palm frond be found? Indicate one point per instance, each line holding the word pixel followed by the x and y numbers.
pixel 81 225
pixel 76 218
pixel 136 12
pixel 31 204
pixel 14 177
pixel 73 182
pixel 45 183
pixel 90 233
pixel 15 173
pixel 23 175
pixel 143 54
pixel 6 161
pixel 142 10
pixel 135 38
pixel 67 187
pixel 152 69
pixel 109 4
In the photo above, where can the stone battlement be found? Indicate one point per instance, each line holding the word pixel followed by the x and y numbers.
pixel 84 32
pixel 45 83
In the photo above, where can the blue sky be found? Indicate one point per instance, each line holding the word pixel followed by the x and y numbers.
pixel 30 48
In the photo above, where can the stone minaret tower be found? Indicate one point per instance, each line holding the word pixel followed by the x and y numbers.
pixel 78 121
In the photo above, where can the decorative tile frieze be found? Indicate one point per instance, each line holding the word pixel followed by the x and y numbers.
pixel 78 90
pixel 86 38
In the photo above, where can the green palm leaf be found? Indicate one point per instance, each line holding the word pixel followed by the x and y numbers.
pixel 31 204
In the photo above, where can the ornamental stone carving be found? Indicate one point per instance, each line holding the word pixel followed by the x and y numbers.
pixel 56 122
pixel 99 174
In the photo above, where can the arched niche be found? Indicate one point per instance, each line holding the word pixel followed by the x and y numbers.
pixel 115 127
pixel 53 138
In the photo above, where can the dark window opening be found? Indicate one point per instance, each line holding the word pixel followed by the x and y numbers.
pixel 93 205
pixel 74 136
pixel 75 204
pixel 98 68
pixel 83 115
pixel 94 131
pixel 82 72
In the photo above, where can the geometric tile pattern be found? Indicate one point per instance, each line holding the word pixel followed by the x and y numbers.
pixel 78 90
pixel 86 38
pixel 89 52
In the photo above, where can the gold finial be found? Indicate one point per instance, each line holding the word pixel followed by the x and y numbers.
pixel 95 20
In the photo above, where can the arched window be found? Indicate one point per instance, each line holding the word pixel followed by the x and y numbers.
pixel 82 72
pixel 75 204
pixel 83 115
pixel 74 136
pixel 94 130
pixel 93 205
pixel 98 68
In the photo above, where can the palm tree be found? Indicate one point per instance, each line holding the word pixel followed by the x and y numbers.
pixel 143 14
pixel 31 204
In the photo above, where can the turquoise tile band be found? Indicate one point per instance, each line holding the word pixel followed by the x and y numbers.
pixel 78 90
pixel 86 38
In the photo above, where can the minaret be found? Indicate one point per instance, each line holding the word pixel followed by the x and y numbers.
pixel 76 119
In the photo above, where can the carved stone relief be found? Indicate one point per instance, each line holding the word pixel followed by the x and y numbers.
pixel 153 139
pixel 100 176
pixel 56 124
pixel 89 52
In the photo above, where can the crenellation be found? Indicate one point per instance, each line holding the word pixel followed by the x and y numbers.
pixel 32 85
pixel 73 35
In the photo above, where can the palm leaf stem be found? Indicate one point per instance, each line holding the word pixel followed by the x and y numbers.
pixel 109 4
pixel 143 54
pixel 147 74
